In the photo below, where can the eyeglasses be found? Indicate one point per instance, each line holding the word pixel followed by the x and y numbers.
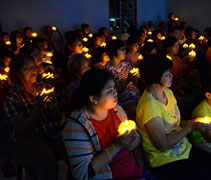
pixel 31 68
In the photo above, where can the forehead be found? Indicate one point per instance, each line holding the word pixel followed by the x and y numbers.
pixel 110 83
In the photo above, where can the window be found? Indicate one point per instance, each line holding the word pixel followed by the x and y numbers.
pixel 122 15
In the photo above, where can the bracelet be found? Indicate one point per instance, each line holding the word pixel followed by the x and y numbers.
pixel 109 157
pixel 115 148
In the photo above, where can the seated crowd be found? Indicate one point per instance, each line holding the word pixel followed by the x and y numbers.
pixel 62 100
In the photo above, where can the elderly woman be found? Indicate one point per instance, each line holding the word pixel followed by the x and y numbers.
pixel 35 133
pixel 168 150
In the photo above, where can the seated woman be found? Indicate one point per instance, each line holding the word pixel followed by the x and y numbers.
pixel 100 58
pixel 94 146
pixel 128 92
pixel 169 152
pixel 203 109
pixel 35 122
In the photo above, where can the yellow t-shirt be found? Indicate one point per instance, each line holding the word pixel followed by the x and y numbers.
pixel 148 107
pixel 202 110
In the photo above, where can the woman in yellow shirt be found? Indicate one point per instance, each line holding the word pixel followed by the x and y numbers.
pixel 158 120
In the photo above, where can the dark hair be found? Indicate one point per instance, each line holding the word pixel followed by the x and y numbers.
pixel 2 34
pixel 92 84
pixel 30 47
pixel 147 48
pixel 150 23
pixel 170 14
pixel 6 53
pixel 26 28
pixel 83 26
pixel 101 31
pixel 131 40
pixel 16 66
pixel 74 65
pixel 153 67
pixel 169 42
pixel 155 33
pixel 13 39
pixel 68 34
pixel 112 47
pixel 188 31
pixel 75 37
pixel 97 56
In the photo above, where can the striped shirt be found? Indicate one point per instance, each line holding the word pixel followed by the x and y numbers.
pixel 82 143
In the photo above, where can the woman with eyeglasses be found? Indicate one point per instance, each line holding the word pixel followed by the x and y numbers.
pixel 120 69
pixel 34 120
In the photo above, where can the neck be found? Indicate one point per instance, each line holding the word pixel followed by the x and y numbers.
pixel 97 113
pixel 156 90
pixel 208 101
pixel 102 63
pixel 29 87
pixel 132 52
pixel 117 62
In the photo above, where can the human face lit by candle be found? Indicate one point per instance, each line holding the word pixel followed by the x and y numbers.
pixel 105 58
pixel 77 47
pixel 98 41
pixel 174 49
pixel 7 61
pixel 28 33
pixel 166 79
pixel 193 35
pixel 108 98
pixel 6 38
pixel 121 53
pixel 19 38
pixel 134 47
pixel 29 72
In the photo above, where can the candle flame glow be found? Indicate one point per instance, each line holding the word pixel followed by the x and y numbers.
pixel 90 35
pixel 192 53
pixel 88 55
pixel 114 37
pixel 125 126
pixel 85 39
pixel 3 77
pixel 34 34
pixel 85 49
pixel 7 69
pixel 45 91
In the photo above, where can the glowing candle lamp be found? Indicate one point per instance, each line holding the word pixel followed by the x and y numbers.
pixel 47 75
pixel 48 62
pixel 34 34
pixel 54 28
pixel 140 57
pixel 176 19
pixel 90 35
pixel 8 43
pixel 192 46
pixel 45 91
pixel 7 69
pixel 185 46
pixel 87 55
pixel 201 38
pixel 85 39
pixel 85 49
pixel 3 77
pixel 169 57
pixel 22 45
pixel 114 37
pixel 192 53
pixel 149 40
pixel 134 71
pixel 103 44
pixel 125 126
pixel 149 33
pixel 49 54
pixel 163 38
pixel 206 120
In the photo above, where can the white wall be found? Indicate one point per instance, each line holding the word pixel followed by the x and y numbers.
pixel 66 14
pixel 196 13
pixel 154 10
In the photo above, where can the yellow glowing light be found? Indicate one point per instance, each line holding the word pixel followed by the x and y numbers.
pixel 201 38
pixel 22 45
pixel 34 34
pixel 49 54
pixel 163 38
pixel 7 69
pixel 185 45
pixel 192 53
pixel 140 57
pixel 3 77
pixel 127 125
pixel 134 71
pixel 54 28
pixel 169 57
pixel 103 44
pixel 149 40
pixel 85 49
pixel 90 35
pixel 8 43
pixel 48 75
pixel 206 120
pixel 48 62
pixel 85 39
pixel 114 37
pixel 176 19
pixel 192 46
pixel 44 91
pixel 149 33
pixel 87 55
